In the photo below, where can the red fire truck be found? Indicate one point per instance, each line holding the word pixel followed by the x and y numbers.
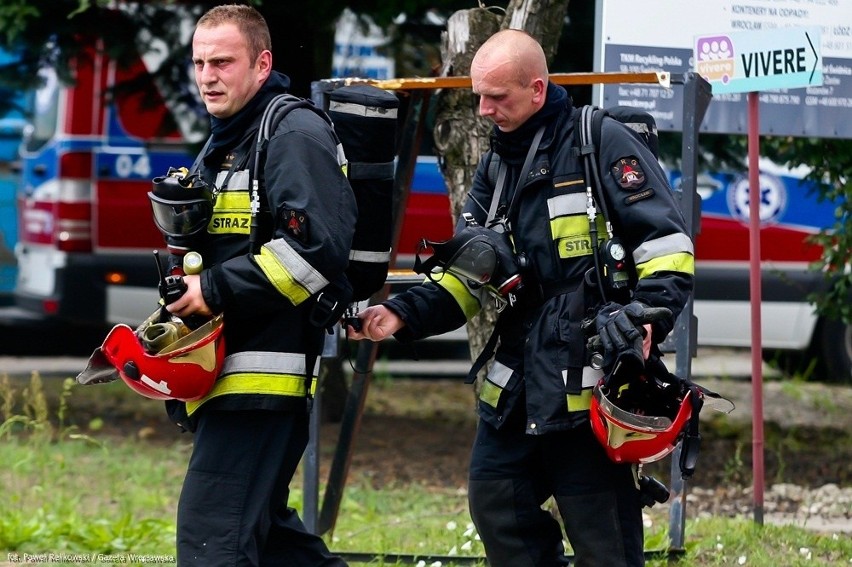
pixel 85 231
pixel 86 236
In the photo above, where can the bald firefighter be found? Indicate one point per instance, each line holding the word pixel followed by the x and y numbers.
pixel 534 439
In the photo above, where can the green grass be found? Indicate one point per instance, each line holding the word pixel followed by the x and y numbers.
pixel 65 491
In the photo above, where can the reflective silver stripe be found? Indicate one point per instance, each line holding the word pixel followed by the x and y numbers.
pixel 341 156
pixel 640 127
pixel 499 374
pixel 562 205
pixel 296 266
pixel 238 181
pixel 669 244
pixel 362 110
pixel 370 256
pixel 591 376
pixel 264 362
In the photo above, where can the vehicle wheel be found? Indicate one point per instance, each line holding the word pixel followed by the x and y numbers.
pixel 834 343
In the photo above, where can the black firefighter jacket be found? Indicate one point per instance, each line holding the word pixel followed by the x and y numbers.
pixel 540 341
pixel 309 214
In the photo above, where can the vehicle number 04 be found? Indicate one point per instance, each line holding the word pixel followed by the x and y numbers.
pixel 127 165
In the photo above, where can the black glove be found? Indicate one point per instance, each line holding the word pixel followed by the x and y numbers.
pixel 621 333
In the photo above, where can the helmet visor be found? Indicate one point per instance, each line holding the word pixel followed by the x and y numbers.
pixel 649 423
pixel 180 218
pixel 476 262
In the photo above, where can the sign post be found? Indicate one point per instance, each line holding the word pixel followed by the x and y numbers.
pixel 750 62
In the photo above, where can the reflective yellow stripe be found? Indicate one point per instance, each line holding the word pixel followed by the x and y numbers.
pixel 297 265
pixel 490 393
pixel 580 402
pixel 231 213
pixel 279 277
pixel 571 235
pixel 288 271
pixel 681 262
pixel 575 225
pixel 468 300
pixel 233 201
pixel 250 383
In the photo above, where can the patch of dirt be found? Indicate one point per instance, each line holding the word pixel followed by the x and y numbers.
pixel 421 431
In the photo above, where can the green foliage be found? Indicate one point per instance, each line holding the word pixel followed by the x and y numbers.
pixel 724 541
pixel 830 161
pixel 72 493
pixel 406 519
pixel 66 492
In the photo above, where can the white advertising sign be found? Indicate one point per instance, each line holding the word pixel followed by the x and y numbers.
pixel 653 35
pixel 758 61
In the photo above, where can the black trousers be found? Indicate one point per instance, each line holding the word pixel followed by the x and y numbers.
pixel 233 505
pixel 512 474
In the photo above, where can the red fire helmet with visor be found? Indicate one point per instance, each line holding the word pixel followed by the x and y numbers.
pixel 640 417
pixel 166 360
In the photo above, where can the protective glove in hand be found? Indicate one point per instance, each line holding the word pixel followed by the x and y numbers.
pixel 621 332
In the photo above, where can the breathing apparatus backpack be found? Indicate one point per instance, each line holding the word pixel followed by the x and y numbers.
pixel 363 119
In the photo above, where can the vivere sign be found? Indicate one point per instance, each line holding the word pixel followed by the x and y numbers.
pixel 760 60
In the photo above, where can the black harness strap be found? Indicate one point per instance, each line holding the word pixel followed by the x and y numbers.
pixel 525 169
pixel 691 443
pixel 576 348
pixel 277 109
pixel 576 344
pixel 201 155
pixel 498 190
pixel 487 352
pixel 491 345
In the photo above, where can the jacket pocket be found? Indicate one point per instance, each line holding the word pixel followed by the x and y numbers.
pixel 499 393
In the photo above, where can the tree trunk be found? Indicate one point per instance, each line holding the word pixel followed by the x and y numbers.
pixel 461 136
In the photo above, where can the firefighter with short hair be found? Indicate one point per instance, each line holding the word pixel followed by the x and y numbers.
pixel 251 429
pixel 534 439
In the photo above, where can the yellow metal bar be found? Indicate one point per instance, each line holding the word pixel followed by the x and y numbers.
pixel 404 276
pixel 661 78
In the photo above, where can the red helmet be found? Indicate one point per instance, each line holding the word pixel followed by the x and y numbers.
pixel 633 438
pixel 167 361
pixel 640 419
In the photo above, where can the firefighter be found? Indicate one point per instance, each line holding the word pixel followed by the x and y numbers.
pixel 534 439
pixel 251 429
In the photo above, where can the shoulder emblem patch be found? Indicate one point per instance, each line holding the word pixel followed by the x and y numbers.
pixel 628 173
pixel 296 223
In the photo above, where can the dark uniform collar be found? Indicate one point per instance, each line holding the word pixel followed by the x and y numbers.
pixel 513 146
pixel 227 132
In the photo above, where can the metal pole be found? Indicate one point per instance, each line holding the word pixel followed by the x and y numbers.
pixel 310 460
pixel 754 285
pixel 696 99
